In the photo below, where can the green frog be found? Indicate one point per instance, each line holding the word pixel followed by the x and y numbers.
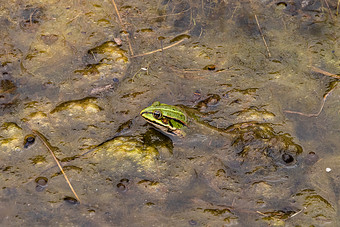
pixel 253 139
pixel 174 120
pixel 169 119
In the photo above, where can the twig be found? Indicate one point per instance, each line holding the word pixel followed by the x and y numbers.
pixel 161 16
pixel 94 56
pixel 158 50
pixel 31 17
pixel 265 43
pixel 321 108
pixel 337 8
pixel 297 212
pixel 260 213
pixel 329 9
pixel 325 72
pixel 41 137
pixel 122 25
pixel 70 21
pixel 315 69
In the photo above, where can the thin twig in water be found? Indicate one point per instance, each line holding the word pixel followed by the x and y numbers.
pixel 122 25
pixel 321 108
pixel 158 50
pixel 329 9
pixel 325 72
pixel 265 43
pixel 94 56
pixel 297 212
pixel 56 160
pixel 260 213
pixel 31 17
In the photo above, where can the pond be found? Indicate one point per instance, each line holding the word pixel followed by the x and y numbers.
pixel 257 81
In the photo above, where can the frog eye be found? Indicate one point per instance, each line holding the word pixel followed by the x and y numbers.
pixel 157 114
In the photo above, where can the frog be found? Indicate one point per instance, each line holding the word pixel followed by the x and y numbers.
pixel 250 139
pixel 175 120
pixel 171 120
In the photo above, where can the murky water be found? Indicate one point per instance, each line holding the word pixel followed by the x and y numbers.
pixel 256 73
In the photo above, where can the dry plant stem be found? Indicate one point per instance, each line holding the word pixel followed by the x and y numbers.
pixel 56 160
pixel 303 208
pixel 321 108
pixel 315 69
pixel 265 43
pixel 329 10
pixel 122 25
pixel 260 213
pixel 158 50
pixel 31 17
pixel 337 8
pixel 165 15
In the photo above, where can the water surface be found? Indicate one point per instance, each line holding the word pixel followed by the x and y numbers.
pixel 257 70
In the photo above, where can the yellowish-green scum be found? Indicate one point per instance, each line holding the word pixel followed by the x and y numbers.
pixel 170 119
pixel 125 153
pixel 11 136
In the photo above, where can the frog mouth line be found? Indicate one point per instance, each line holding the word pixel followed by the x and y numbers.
pixel 162 128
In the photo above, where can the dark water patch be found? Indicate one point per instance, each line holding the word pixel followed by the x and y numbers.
pixel 32 17
pixel 71 200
